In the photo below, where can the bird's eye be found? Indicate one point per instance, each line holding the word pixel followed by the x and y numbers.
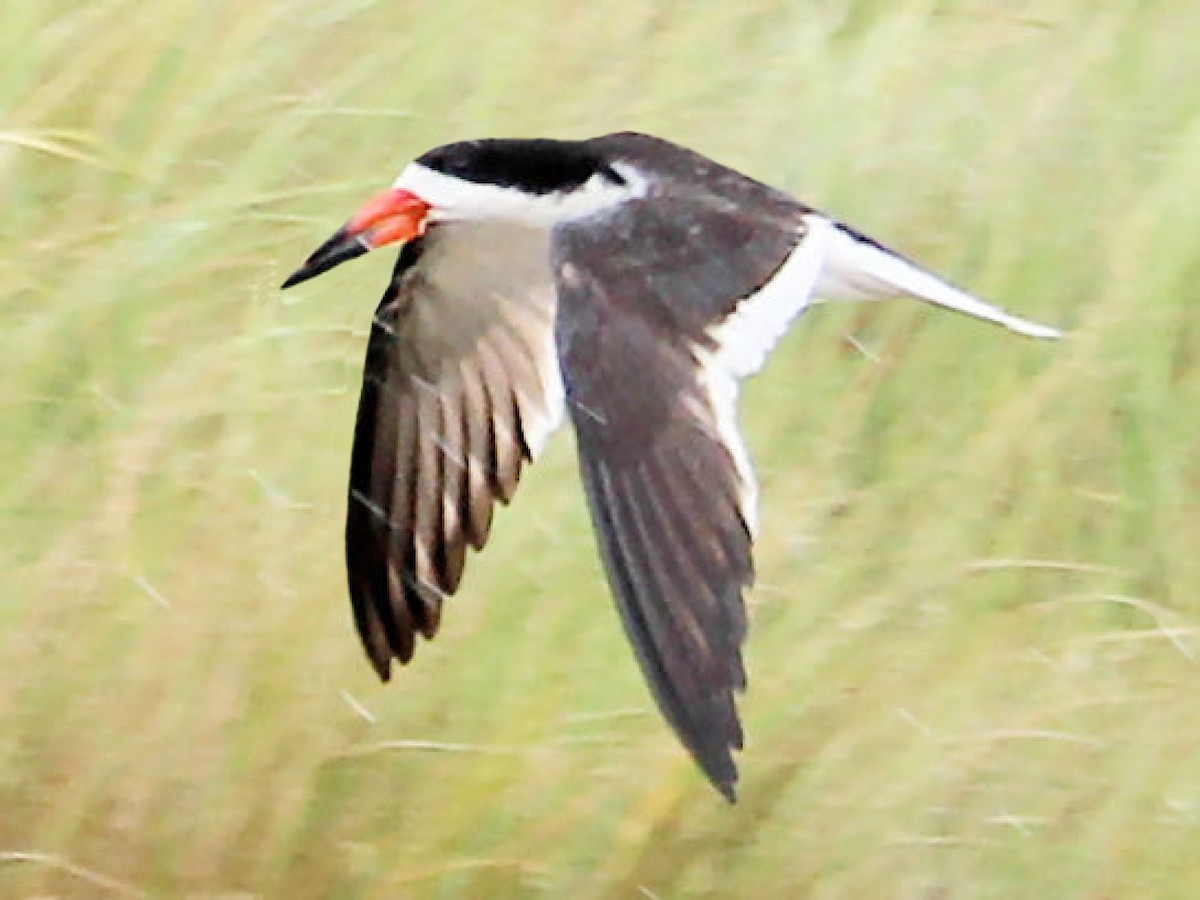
pixel 612 176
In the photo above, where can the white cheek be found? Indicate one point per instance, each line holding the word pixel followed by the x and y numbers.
pixel 456 200
pixel 452 198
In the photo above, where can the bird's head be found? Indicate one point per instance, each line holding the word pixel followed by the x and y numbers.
pixel 529 183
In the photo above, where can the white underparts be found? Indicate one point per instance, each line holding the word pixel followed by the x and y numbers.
pixel 721 389
pixel 746 336
pixel 546 420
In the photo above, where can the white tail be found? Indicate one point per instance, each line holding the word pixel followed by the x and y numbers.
pixel 857 268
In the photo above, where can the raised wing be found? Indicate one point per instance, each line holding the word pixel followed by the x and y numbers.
pixel 460 390
pixel 669 486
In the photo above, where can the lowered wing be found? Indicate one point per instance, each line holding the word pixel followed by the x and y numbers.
pixel 668 482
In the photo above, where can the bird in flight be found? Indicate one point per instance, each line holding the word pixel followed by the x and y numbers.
pixel 632 283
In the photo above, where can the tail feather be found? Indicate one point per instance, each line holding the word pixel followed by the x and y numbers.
pixel 858 268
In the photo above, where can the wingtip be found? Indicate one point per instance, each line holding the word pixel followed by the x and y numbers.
pixel 721 771
pixel 728 790
pixel 382 666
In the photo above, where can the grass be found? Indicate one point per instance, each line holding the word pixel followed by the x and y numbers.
pixel 973 658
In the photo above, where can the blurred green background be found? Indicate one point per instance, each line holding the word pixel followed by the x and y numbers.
pixel 973 660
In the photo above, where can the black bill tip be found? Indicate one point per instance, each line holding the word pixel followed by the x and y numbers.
pixel 338 249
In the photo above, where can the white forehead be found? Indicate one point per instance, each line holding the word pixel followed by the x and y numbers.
pixel 454 199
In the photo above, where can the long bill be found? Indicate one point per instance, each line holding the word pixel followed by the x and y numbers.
pixel 390 217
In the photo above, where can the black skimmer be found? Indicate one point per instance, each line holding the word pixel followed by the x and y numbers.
pixel 633 283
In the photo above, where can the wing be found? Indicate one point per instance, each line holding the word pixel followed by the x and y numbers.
pixel 668 483
pixel 460 390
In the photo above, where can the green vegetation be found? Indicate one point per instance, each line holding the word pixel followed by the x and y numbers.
pixel 974 654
